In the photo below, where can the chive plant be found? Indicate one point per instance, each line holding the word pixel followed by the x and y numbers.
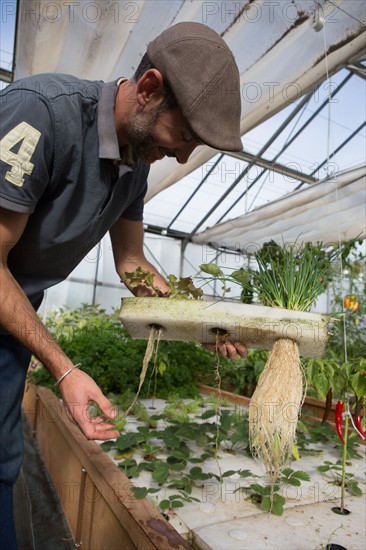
pixel 292 276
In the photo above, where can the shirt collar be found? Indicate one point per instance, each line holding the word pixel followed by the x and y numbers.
pixel 108 141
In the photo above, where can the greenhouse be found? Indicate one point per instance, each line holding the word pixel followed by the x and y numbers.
pixel 237 376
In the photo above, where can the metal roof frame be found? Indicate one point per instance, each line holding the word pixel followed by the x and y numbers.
pixel 230 29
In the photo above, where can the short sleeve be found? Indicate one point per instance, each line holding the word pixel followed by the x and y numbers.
pixel 26 148
pixel 135 211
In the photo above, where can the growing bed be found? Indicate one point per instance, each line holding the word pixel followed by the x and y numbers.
pixel 103 513
pixel 95 495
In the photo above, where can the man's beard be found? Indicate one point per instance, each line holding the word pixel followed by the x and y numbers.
pixel 139 132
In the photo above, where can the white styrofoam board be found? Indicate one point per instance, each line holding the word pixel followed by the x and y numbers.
pixel 199 321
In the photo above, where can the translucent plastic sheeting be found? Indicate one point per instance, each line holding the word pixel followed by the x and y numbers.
pixel 283 49
pixel 331 210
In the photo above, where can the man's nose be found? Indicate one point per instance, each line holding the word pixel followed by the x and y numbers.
pixel 183 153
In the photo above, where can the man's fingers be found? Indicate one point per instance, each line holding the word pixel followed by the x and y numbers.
pixel 99 431
pixel 94 428
pixel 105 406
pixel 241 349
pixel 105 431
pixel 98 427
pixel 78 393
pixel 228 349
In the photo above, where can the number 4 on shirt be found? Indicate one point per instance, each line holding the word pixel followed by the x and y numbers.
pixel 20 162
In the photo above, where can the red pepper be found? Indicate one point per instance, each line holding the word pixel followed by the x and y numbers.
pixel 359 427
pixel 339 420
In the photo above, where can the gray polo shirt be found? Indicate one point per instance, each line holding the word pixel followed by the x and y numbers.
pixel 60 162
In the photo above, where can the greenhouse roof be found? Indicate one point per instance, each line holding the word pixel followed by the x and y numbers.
pixel 302 67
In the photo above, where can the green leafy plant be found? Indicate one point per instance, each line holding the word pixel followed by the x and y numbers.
pixel 241 374
pixel 268 497
pixel 142 492
pixel 329 373
pixel 169 451
pixel 331 377
pixel 336 470
pixel 176 501
pixel 347 381
pixel 310 434
pixel 239 277
pixel 179 410
pixel 96 339
pixel 171 454
pixel 182 288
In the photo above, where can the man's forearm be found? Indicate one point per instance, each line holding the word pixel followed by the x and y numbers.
pixel 18 317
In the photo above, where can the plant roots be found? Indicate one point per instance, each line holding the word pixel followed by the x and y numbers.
pixel 275 407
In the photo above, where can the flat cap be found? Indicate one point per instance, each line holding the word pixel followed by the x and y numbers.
pixel 201 71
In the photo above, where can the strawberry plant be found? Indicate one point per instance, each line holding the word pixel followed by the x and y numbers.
pixel 175 453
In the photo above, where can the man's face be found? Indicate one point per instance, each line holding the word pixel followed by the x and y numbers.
pixel 158 133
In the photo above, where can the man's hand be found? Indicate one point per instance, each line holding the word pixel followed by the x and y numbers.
pixel 228 349
pixel 78 392
pixel 127 237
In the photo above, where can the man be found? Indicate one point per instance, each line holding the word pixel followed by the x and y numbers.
pixel 74 164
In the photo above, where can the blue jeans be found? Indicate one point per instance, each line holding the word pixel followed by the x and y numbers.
pixel 14 361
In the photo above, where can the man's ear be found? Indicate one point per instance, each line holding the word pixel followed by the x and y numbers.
pixel 150 88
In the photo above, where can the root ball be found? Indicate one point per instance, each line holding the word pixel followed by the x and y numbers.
pixel 275 407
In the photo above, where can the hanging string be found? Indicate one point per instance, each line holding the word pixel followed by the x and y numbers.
pixel 329 97
pixel 335 186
